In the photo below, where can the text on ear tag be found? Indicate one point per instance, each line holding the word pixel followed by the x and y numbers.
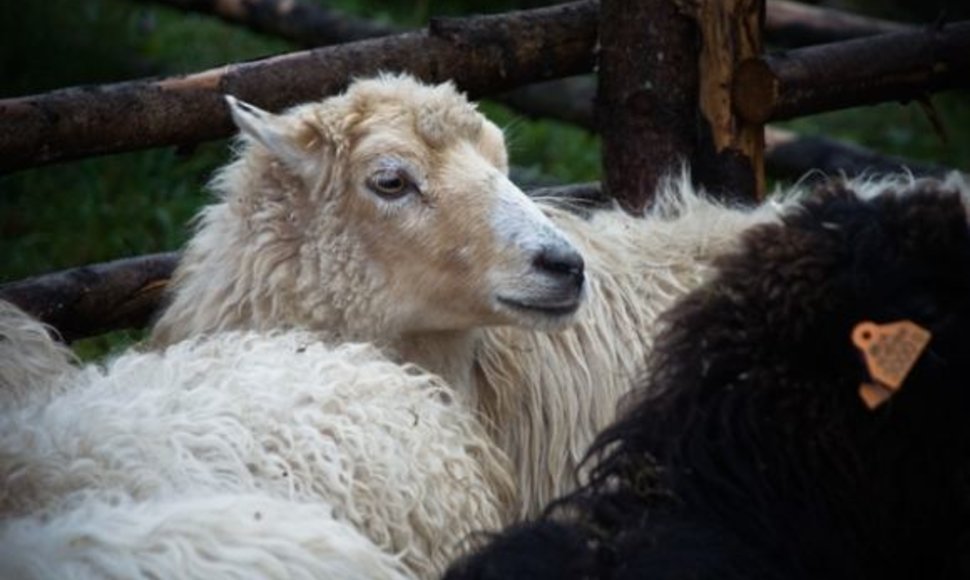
pixel 890 351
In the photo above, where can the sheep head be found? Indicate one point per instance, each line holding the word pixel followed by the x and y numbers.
pixel 401 189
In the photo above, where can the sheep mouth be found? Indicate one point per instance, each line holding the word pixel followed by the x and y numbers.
pixel 552 311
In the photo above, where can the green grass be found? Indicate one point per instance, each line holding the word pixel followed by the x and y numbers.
pixel 100 209
pixel 106 345
pixel 562 151
pixel 902 129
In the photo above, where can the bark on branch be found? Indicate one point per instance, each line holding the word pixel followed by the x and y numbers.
pixel 730 155
pixel 483 55
pixel 646 101
pixel 890 67
pixel 790 155
pixel 90 300
pixel 793 24
pixel 664 96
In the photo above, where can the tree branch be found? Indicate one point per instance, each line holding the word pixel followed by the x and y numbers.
pixel 730 151
pixel 484 54
pixel 890 67
pixel 792 155
pixel 646 101
pixel 90 300
pixel 792 24
pixel 569 100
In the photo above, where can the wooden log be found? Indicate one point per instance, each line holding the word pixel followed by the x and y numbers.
pixel 646 100
pixel 789 24
pixel 793 24
pixel 84 121
pixel 90 300
pixel 666 70
pixel 793 156
pixel 891 67
pixel 303 23
pixel 569 100
pixel 730 152
pixel 483 55
pixel 313 25
pixel 127 293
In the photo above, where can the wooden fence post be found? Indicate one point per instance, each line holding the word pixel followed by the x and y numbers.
pixel 665 77
pixel 647 95
pixel 730 156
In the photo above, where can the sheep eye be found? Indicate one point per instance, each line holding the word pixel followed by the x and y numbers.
pixel 390 184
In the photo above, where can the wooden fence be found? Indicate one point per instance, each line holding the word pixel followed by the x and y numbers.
pixel 676 81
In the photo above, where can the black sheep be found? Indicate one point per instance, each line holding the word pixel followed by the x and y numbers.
pixel 748 451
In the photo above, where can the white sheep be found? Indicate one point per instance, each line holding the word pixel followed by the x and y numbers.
pixel 198 537
pixel 385 215
pixel 32 366
pixel 271 453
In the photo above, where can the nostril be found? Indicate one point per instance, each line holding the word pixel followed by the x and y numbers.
pixel 560 262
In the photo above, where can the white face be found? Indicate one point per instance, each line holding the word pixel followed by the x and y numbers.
pixel 455 243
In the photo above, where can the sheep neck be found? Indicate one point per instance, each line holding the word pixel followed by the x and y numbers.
pixel 449 354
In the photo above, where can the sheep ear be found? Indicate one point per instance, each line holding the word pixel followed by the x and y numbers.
pixel 277 133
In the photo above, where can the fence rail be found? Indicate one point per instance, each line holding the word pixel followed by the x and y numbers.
pixel 892 67
pixel 483 55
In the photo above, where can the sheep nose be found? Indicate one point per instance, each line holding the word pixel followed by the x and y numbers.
pixel 559 262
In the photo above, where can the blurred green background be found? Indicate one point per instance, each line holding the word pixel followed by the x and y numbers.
pixel 123 205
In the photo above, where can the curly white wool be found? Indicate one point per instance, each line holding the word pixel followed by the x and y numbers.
pixel 32 366
pixel 232 536
pixel 383 447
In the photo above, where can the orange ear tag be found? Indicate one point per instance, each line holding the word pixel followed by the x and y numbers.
pixel 890 351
